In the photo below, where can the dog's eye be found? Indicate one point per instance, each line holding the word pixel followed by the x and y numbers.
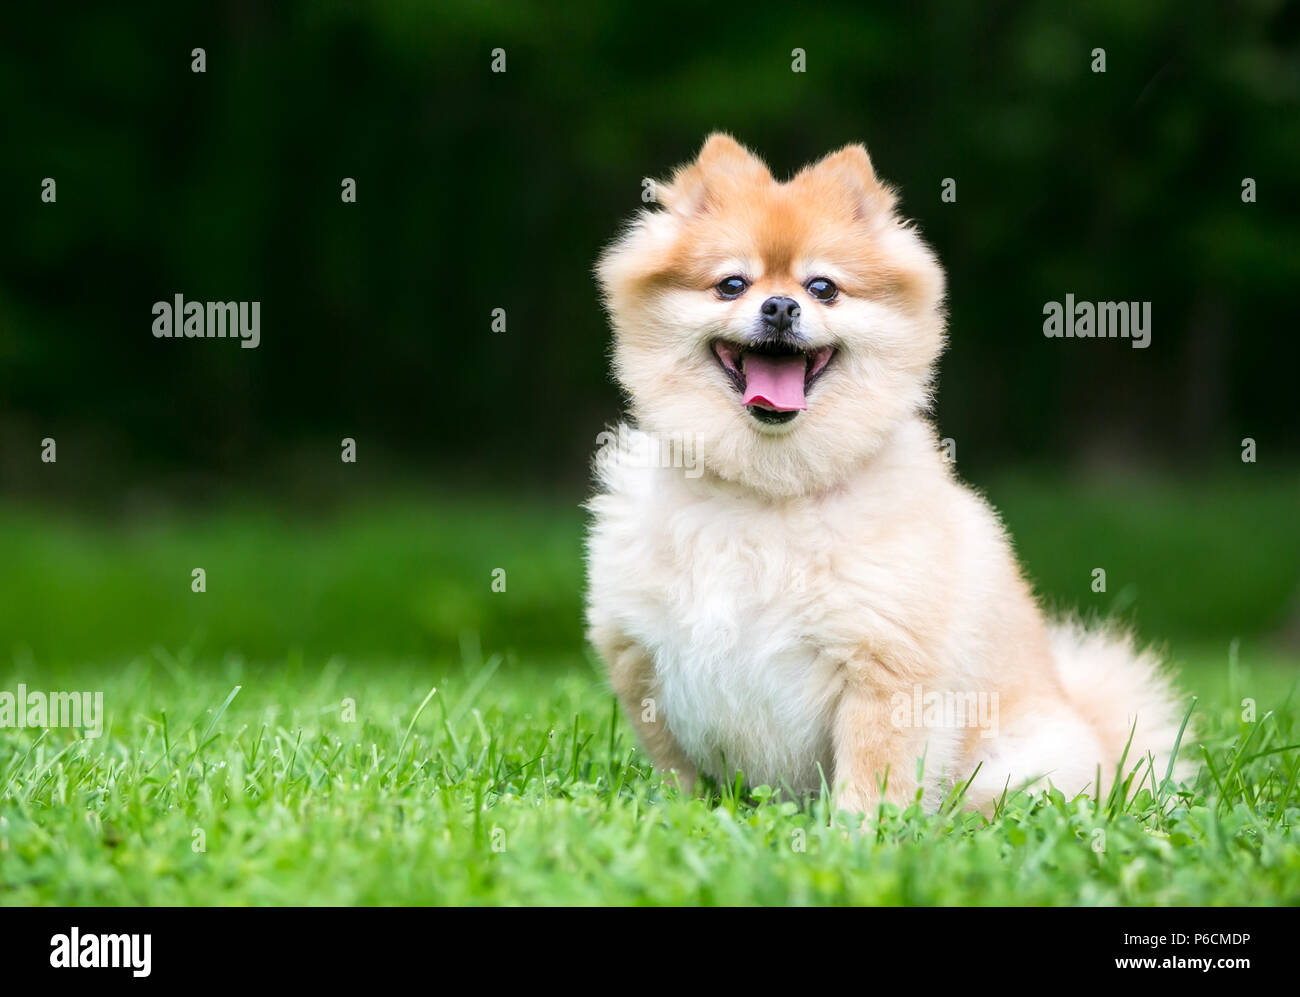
pixel 821 289
pixel 732 287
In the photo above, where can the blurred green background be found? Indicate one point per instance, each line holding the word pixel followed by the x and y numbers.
pixel 479 191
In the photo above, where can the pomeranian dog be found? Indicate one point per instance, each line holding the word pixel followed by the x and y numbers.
pixel 785 578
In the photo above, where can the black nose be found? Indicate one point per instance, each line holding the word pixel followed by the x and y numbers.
pixel 780 313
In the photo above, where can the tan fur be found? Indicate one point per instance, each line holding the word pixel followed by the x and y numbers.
pixel 631 674
pixel 775 607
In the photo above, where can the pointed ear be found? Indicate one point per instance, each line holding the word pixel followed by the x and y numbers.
pixel 721 152
pixel 851 169
pixel 850 162
pixel 722 160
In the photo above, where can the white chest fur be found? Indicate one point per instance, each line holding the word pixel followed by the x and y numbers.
pixel 742 692
pixel 721 593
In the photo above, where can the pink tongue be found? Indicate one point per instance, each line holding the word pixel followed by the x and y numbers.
pixel 774 382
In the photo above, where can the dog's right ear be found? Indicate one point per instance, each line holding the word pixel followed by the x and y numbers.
pixel 722 160
pixel 722 153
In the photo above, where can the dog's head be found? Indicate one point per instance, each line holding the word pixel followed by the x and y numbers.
pixel 785 328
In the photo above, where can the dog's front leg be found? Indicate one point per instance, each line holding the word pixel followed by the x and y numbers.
pixel 874 758
pixel 632 676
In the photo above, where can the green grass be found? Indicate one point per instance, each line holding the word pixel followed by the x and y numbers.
pixel 521 785
pixel 517 781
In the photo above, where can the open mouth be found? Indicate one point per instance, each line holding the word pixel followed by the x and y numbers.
pixel 773 377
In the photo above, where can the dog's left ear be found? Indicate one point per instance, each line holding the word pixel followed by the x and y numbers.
pixel 850 168
pixel 852 160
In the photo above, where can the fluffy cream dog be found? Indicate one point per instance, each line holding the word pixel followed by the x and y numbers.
pixel 785 577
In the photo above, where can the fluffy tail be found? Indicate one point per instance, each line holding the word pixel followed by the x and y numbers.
pixel 1113 686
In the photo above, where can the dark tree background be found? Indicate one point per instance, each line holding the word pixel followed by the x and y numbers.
pixel 479 190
